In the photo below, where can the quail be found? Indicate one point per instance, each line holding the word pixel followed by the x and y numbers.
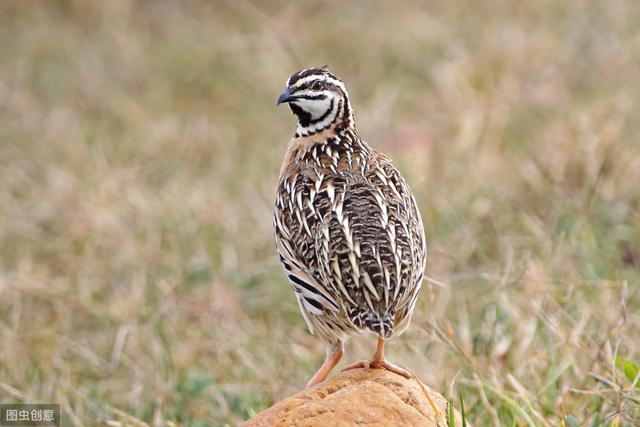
pixel 347 227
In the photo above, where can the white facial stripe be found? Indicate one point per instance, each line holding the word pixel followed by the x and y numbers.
pixel 306 92
pixel 305 80
pixel 321 124
pixel 337 83
pixel 316 107
pixel 329 79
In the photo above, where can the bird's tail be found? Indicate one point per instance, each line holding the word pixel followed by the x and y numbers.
pixel 380 324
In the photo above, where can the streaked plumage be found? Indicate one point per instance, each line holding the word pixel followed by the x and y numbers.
pixel 347 227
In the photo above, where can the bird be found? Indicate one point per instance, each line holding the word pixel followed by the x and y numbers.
pixel 347 227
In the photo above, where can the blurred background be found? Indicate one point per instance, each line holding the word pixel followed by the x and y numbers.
pixel 139 151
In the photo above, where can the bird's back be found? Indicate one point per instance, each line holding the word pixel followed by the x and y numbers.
pixel 350 236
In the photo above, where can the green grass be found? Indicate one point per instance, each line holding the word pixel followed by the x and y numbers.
pixel 139 152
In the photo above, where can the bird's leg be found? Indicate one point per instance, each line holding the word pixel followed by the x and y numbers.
pixel 378 361
pixel 334 354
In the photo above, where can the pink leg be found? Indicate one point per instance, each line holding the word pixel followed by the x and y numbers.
pixel 334 354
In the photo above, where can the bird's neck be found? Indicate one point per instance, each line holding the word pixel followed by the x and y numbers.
pixel 334 141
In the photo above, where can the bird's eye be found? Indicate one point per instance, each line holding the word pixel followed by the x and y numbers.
pixel 317 85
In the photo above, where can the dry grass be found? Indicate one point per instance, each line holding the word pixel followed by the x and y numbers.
pixel 139 147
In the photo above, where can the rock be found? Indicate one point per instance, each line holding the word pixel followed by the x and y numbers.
pixel 364 397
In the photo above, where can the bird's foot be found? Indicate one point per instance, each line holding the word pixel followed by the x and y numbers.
pixel 379 364
pixel 384 364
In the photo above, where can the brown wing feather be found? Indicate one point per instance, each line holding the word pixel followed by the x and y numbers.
pixel 346 219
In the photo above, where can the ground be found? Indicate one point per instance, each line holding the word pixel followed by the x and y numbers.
pixel 139 150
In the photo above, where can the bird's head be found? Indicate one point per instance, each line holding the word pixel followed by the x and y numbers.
pixel 319 99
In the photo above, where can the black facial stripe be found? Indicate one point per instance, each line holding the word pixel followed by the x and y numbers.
pixel 346 111
pixel 319 71
pixel 324 116
pixel 311 97
pixel 300 75
pixel 303 117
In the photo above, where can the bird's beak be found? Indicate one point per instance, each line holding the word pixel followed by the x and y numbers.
pixel 285 97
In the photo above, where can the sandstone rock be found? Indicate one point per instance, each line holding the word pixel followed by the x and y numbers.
pixel 363 397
